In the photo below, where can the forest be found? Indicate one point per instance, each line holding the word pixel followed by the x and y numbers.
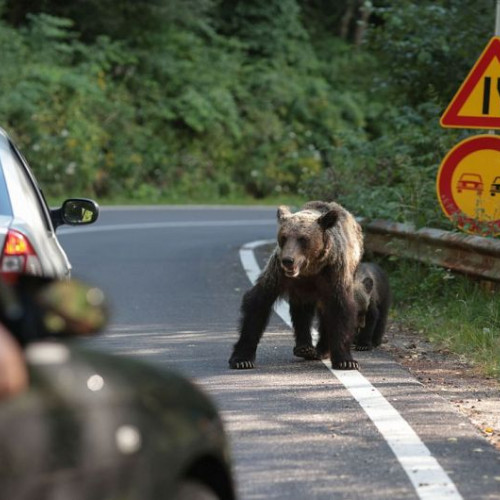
pixel 240 100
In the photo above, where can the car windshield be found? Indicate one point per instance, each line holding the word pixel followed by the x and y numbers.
pixel 21 189
pixel 471 177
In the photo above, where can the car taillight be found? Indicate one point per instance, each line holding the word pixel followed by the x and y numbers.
pixel 18 257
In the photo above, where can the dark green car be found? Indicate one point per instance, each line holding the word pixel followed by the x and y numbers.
pixel 98 426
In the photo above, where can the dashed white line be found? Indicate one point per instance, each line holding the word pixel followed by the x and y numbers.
pixel 429 479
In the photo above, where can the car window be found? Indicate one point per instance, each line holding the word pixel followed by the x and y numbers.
pixel 5 207
pixel 471 178
pixel 30 205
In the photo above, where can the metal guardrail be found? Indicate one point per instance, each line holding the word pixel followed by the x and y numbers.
pixel 472 255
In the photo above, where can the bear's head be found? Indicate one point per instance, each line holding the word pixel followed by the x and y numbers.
pixel 302 239
pixel 363 287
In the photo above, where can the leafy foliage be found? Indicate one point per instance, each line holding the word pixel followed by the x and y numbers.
pixel 428 47
pixel 197 99
pixel 422 58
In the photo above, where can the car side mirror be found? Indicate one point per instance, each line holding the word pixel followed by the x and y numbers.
pixel 75 212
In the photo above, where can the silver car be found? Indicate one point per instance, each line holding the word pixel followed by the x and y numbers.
pixel 28 240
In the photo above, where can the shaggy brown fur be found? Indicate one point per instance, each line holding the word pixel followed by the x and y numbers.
pixel 372 295
pixel 313 266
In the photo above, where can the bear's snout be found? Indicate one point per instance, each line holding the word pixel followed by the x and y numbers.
pixel 290 266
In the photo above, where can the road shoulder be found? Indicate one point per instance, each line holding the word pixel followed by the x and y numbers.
pixel 452 377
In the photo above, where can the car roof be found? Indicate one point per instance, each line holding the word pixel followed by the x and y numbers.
pixel 4 136
pixel 476 176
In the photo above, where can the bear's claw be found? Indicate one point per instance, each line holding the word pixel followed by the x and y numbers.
pixel 241 365
pixel 305 351
pixel 363 347
pixel 346 365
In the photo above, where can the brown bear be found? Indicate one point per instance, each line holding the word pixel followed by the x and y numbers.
pixel 372 294
pixel 313 266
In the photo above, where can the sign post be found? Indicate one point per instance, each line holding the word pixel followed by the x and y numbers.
pixel 497 19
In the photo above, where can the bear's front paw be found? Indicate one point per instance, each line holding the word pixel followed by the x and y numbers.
pixel 305 351
pixel 350 364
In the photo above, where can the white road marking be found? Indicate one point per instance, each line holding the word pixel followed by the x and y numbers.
pixel 428 478
pixel 166 225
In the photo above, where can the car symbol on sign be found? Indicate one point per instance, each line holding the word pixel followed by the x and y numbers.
pixel 495 186
pixel 470 182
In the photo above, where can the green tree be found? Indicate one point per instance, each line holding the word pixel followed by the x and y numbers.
pixel 267 28
pixel 427 47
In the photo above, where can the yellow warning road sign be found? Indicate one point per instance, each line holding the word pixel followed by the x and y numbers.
pixel 477 102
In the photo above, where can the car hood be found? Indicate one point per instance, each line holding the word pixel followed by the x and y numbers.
pixel 70 422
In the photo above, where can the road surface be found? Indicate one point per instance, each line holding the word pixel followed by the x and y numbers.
pixel 175 277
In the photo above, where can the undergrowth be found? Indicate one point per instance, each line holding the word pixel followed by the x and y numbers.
pixel 452 311
pixel 243 200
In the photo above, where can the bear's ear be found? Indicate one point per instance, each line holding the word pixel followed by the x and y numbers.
pixel 368 284
pixel 283 213
pixel 328 220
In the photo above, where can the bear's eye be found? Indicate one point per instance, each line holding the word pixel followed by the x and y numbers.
pixel 303 241
pixel 281 241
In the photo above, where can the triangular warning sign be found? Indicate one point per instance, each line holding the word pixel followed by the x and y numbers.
pixel 477 102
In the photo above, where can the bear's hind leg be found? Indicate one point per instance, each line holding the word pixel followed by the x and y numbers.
pixel 365 339
pixel 380 325
pixel 323 345
pixel 302 317
pixel 337 325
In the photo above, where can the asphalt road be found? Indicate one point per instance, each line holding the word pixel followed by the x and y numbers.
pixel 175 280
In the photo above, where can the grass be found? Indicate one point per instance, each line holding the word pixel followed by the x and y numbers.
pixel 454 312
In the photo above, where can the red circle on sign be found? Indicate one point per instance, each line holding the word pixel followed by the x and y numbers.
pixel 445 190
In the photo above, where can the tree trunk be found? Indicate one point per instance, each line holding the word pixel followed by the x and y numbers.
pixel 364 14
pixel 345 23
